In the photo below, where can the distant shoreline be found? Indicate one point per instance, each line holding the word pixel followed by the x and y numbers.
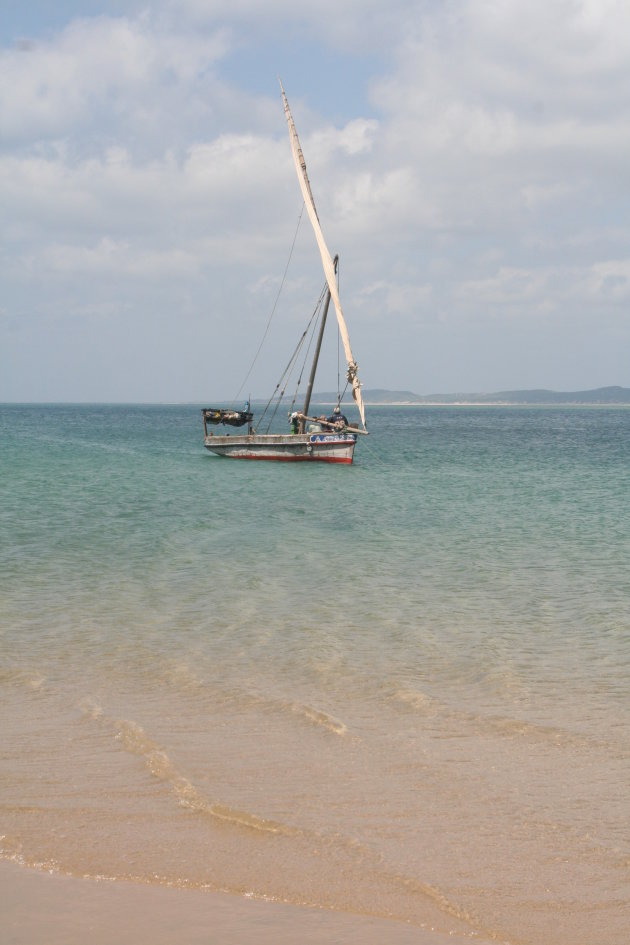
pixel 612 396
pixel 485 403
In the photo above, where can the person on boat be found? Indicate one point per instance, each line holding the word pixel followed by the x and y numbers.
pixel 294 421
pixel 337 418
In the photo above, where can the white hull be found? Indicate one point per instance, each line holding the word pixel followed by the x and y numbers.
pixel 290 448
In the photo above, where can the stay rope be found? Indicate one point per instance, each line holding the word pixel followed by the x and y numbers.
pixel 281 386
pixel 273 309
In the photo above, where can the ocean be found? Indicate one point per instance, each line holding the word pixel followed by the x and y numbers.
pixel 399 688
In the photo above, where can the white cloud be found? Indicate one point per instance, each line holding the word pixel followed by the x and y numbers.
pixel 481 182
pixel 352 25
pixel 506 287
pixel 531 89
pixel 612 279
pixel 395 298
pixel 105 74
pixel 109 257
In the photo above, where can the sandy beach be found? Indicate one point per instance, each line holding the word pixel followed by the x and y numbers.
pixel 43 909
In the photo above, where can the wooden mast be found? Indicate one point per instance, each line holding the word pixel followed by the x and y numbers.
pixel 318 347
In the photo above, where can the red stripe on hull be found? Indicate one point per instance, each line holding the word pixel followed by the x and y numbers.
pixel 294 459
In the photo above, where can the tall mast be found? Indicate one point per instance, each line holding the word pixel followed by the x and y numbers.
pixel 318 348
pixel 327 262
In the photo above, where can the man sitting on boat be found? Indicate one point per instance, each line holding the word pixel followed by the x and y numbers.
pixel 337 419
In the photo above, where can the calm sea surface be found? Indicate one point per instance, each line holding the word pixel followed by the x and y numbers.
pixel 399 688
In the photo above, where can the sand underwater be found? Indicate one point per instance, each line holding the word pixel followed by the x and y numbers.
pixel 263 702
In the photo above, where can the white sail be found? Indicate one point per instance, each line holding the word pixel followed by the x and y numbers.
pixel 327 262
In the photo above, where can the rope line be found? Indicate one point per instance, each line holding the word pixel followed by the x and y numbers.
pixel 275 305
pixel 314 324
pixel 286 374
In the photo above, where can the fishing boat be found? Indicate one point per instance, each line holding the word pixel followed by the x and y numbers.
pixel 329 439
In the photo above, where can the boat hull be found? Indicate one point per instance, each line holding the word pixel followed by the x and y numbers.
pixel 288 448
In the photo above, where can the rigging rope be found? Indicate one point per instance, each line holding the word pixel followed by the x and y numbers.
pixel 273 310
pixel 314 324
pixel 284 377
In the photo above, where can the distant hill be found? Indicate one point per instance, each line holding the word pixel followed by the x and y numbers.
pixel 601 395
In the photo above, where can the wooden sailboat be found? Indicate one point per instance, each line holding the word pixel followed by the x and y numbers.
pixel 313 439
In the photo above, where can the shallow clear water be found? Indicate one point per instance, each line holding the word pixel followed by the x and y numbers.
pixel 398 688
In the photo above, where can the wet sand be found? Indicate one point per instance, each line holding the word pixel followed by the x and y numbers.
pixel 42 909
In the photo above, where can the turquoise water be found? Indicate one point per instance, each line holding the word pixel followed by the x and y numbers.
pixel 218 667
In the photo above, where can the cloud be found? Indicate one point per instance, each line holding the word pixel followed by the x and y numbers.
pixel 106 77
pixel 611 279
pixel 508 285
pixel 530 93
pixel 354 25
pixel 480 179
pixel 397 298
pixel 109 257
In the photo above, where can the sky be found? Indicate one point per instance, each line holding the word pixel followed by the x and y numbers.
pixel 468 158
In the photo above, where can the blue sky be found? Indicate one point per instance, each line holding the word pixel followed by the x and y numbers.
pixel 468 159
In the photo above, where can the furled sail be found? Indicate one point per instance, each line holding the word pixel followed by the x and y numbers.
pixel 327 262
